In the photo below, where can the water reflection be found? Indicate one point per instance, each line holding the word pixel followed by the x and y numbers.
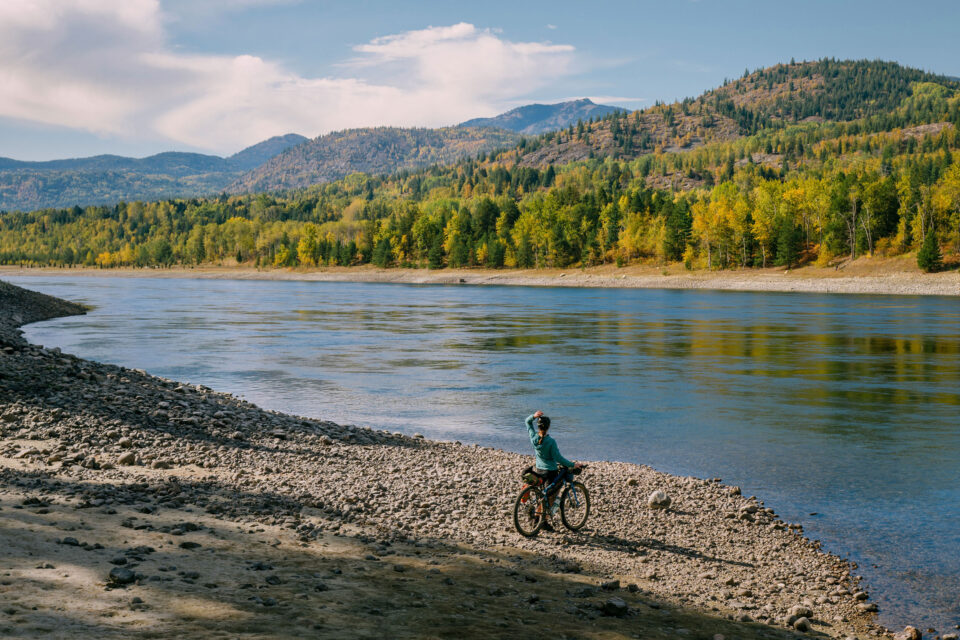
pixel 840 405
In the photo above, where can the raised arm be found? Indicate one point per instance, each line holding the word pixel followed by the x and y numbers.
pixel 532 430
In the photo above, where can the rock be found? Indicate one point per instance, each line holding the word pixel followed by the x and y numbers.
pixel 612 585
pixel 909 633
pixel 632 482
pixel 127 459
pixel 802 624
pixel 860 595
pixel 119 561
pixel 121 576
pixel 614 607
pixel 70 542
pixel 273 579
pixel 868 606
pixel 125 443
pixel 949 636
pixel 190 545
pixel 800 611
pixel 733 491
pixel 659 500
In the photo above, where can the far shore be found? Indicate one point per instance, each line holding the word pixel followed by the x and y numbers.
pixel 877 276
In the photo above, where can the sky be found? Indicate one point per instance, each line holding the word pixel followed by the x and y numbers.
pixel 137 77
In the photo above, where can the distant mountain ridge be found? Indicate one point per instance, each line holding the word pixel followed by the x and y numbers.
pixel 825 90
pixel 388 149
pixel 540 118
pixel 254 156
pixel 106 179
pixel 371 150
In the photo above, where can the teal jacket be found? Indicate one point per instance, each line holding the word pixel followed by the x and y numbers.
pixel 548 453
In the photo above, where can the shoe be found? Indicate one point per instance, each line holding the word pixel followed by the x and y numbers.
pixel 547 527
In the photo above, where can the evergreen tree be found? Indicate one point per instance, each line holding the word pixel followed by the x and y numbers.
pixel 789 242
pixel 929 258
pixel 435 255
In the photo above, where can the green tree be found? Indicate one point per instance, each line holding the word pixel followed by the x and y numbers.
pixel 929 258
pixel 435 254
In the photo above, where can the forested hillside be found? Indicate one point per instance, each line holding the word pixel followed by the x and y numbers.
pixel 540 118
pixel 765 99
pixel 370 150
pixel 109 178
pixel 779 187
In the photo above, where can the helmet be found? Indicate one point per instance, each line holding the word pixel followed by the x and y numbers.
pixel 543 422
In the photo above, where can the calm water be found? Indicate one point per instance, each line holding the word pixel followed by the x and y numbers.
pixel 843 406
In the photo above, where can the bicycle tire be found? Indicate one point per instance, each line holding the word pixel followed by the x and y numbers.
pixel 566 498
pixel 526 517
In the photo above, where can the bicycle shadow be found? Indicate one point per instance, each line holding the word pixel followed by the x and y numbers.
pixel 610 542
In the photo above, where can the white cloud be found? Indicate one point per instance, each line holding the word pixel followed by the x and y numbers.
pixel 106 67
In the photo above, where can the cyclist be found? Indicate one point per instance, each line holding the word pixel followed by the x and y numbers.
pixel 548 459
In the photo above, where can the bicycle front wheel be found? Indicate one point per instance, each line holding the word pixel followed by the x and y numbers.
pixel 528 516
pixel 575 506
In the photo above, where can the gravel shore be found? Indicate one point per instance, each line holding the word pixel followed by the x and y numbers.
pixel 135 506
pixel 874 276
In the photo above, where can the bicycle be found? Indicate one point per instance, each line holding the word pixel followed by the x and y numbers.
pixel 529 511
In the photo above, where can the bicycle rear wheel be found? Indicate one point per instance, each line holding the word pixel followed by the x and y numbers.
pixel 575 506
pixel 528 515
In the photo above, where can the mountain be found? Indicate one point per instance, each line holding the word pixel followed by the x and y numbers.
pixel 171 163
pixel 765 99
pixel 253 157
pixel 540 118
pixel 371 150
pixel 106 179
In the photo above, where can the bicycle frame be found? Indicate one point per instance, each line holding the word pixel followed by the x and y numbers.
pixel 566 479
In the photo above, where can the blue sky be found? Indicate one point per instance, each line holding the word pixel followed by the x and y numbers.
pixel 136 77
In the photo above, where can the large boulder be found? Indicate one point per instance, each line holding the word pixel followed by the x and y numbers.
pixel 615 607
pixel 909 633
pixel 801 611
pixel 659 500
pixel 121 576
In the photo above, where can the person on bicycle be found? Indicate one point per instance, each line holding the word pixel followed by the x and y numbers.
pixel 548 458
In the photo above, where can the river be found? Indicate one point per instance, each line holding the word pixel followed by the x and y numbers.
pixel 840 411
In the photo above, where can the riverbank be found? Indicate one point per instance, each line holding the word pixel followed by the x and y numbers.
pixel 214 518
pixel 893 276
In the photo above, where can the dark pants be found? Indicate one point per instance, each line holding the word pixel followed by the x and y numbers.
pixel 552 479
